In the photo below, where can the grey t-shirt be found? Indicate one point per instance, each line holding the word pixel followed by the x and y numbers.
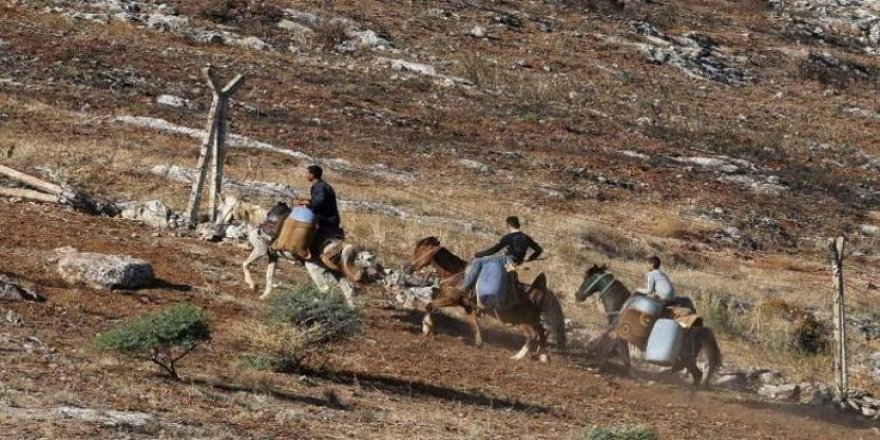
pixel 659 284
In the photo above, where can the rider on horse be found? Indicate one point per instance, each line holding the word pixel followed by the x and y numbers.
pixel 515 246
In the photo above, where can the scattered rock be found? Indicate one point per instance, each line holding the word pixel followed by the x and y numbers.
pixel 635 154
pixel 13 318
pixel 172 101
pixel 815 394
pixel 252 43
pixel 13 291
pixel 479 32
pixel 101 271
pixel 786 392
pixel 154 213
pixel 732 381
pixel 869 229
pixel 696 54
pixel 299 32
pixel 474 165
pixel 168 23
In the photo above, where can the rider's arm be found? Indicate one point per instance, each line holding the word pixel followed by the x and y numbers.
pixel 319 195
pixel 649 285
pixel 536 250
pixel 494 249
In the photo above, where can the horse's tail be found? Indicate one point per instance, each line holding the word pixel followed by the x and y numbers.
pixel 704 341
pixel 551 310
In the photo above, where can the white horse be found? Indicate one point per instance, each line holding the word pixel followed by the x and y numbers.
pixel 362 261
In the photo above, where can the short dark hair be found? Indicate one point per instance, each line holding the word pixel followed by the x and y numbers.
pixel 513 221
pixel 655 261
pixel 315 171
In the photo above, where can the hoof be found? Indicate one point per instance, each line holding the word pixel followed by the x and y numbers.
pixel 544 358
pixel 478 344
pixel 517 357
pixel 427 326
pixel 264 297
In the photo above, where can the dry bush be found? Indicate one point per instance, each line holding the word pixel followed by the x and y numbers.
pixel 329 34
pixel 836 72
pixel 783 326
pixel 241 12
pixel 785 262
pixel 614 244
pixel 267 347
pixel 667 227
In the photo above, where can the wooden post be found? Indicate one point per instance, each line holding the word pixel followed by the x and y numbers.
pixel 219 145
pixel 841 371
pixel 212 151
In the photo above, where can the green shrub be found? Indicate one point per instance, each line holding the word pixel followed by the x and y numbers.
pixel 620 433
pixel 326 316
pixel 297 324
pixel 163 337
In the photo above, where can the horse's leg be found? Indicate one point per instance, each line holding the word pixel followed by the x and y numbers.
pixel 475 326
pixel 270 276
pixel 316 273
pixel 260 250
pixel 542 343
pixel 428 320
pixel 529 332
pixel 347 290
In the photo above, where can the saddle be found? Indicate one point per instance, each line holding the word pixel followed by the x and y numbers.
pixel 339 257
pixel 271 227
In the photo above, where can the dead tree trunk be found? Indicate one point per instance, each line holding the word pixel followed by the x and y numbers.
pixel 841 371
pixel 213 149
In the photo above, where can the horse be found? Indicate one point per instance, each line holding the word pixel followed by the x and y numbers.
pixel 365 263
pixel 534 301
pixel 614 294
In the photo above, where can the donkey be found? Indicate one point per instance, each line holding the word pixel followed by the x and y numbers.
pixel 614 294
pixel 534 301
pixel 365 263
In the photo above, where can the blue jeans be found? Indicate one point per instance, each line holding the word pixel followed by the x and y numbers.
pixel 473 270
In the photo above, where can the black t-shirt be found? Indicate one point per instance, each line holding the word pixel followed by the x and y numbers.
pixel 323 204
pixel 516 244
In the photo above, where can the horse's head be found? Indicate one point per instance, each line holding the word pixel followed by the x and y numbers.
pixel 360 265
pixel 423 254
pixel 591 283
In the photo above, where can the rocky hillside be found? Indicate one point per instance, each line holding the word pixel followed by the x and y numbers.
pixel 731 138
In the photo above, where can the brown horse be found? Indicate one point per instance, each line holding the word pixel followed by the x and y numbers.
pixel 614 294
pixel 534 300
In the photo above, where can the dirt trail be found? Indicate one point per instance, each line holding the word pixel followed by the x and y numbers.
pixel 389 383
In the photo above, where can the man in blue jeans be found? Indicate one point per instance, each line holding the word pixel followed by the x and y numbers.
pixel 515 245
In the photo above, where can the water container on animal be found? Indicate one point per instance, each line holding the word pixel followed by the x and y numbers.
pixel 664 343
pixel 492 284
pixel 297 233
pixel 302 214
pixel 646 305
pixel 634 326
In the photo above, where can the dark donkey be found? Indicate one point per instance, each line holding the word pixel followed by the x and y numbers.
pixel 614 294
pixel 536 301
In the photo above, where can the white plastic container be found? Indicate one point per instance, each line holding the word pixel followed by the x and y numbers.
pixel 646 305
pixel 302 214
pixel 664 343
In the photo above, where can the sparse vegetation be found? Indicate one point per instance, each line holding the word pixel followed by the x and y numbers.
pixel 164 337
pixel 297 323
pixel 620 433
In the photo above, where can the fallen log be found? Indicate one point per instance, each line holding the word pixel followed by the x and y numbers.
pixel 29 194
pixel 32 181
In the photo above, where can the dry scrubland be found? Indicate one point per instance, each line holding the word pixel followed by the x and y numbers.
pixel 601 152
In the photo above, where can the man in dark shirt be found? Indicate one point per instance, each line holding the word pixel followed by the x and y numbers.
pixel 322 203
pixel 515 244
